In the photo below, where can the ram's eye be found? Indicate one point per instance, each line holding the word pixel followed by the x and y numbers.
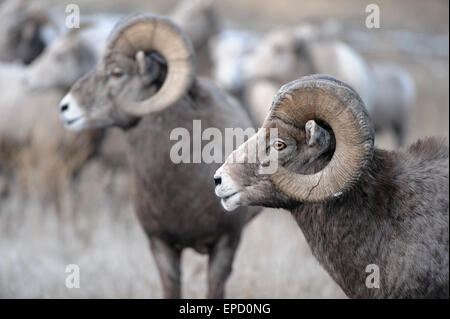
pixel 278 145
pixel 117 73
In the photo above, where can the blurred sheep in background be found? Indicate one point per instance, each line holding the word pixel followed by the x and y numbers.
pixel 39 85
pixel 26 28
pixel 200 21
pixel 286 54
pixel 77 51
pixel 35 150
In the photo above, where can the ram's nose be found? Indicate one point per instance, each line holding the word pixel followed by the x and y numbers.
pixel 217 180
pixel 71 114
pixel 65 103
pixel 64 107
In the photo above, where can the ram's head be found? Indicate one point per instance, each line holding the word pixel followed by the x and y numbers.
pixel 324 143
pixel 147 66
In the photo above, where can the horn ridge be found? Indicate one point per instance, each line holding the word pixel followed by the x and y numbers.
pixel 145 32
pixel 321 97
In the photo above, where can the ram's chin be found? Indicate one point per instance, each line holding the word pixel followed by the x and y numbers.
pixel 75 125
pixel 231 203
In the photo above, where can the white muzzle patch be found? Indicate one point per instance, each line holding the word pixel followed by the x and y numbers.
pixel 72 115
pixel 228 191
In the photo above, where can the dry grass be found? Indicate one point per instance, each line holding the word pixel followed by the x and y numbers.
pixel 97 230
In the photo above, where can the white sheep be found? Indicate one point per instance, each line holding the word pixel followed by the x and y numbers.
pixel 287 53
pixel 227 51
pixel 71 55
pixel 30 131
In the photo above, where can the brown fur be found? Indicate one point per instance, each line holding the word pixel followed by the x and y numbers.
pixel 174 202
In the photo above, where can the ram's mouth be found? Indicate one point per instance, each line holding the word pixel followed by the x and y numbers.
pixel 224 194
pixel 75 124
pixel 230 202
pixel 228 191
pixel 70 122
pixel 224 198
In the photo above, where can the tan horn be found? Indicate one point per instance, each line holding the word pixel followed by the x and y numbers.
pixel 322 97
pixel 148 33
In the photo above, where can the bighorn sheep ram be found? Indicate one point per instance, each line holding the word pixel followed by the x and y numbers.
pixel 289 53
pixel 356 205
pixel 78 51
pixel 149 59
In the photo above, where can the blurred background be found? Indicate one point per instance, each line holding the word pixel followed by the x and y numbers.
pixel 65 197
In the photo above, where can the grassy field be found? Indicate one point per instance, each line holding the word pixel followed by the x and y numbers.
pixel 96 229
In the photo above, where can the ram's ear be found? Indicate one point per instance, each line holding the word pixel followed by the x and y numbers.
pixel 316 136
pixel 142 62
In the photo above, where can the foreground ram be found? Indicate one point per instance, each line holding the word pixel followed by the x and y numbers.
pixel 145 84
pixel 357 205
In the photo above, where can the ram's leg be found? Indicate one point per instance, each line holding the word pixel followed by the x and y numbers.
pixel 399 134
pixel 220 265
pixel 168 262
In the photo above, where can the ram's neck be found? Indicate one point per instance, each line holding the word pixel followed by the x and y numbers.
pixel 350 233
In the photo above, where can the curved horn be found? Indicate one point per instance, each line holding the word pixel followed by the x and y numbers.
pixel 321 97
pixel 155 33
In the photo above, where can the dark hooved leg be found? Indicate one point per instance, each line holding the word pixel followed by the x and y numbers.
pixel 399 134
pixel 167 260
pixel 220 265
